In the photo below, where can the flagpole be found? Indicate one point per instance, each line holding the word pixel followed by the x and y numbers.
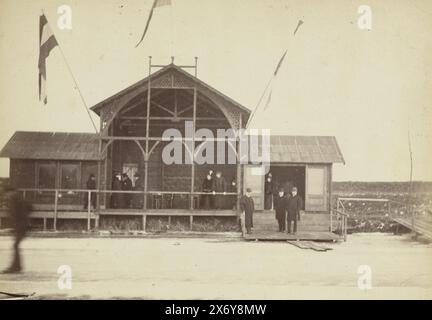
pixel 72 75
pixel 300 22
pixel 259 102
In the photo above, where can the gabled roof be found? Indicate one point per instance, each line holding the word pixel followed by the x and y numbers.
pixel 304 149
pixel 170 68
pixel 52 146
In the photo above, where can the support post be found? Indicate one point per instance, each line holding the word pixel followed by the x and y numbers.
pixel 144 222
pixel 147 136
pixel 55 210
pixel 190 222
pixel 88 209
pixel 193 151
pixel 239 168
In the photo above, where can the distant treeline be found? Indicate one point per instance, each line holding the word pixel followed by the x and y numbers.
pixel 380 187
pixel 363 187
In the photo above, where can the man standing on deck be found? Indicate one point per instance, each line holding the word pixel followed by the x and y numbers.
pixel 127 186
pixel 247 206
pixel 90 185
pixel 139 186
pixel 268 192
pixel 281 206
pixel 219 186
pixel 295 204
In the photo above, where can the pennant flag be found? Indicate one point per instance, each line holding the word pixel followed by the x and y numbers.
pixel 298 26
pixel 156 4
pixel 47 42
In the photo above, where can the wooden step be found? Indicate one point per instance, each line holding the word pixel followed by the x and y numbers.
pixel 266 221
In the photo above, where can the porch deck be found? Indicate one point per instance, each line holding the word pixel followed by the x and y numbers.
pixel 268 235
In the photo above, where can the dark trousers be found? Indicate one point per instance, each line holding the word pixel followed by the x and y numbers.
pixel 281 222
pixel 219 202
pixel 268 201
pixel 289 225
pixel 92 199
pixel 206 201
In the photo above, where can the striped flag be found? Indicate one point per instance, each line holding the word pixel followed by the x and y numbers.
pixel 156 4
pixel 47 42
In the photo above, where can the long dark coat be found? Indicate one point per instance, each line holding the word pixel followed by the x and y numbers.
pixel 117 200
pixel 247 205
pixel 206 200
pixel 281 207
pixel 295 204
pixel 268 194
pixel 219 185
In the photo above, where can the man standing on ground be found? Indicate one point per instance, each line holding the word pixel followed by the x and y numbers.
pixel 295 204
pixel 247 206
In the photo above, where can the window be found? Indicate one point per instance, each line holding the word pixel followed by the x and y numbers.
pixel 316 181
pixel 47 176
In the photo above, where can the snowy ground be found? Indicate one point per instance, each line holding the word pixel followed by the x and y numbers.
pixel 221 269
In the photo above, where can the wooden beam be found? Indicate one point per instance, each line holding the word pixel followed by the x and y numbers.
pixel 169 118
pixel 132 138
pixel 193 152
pixel 162 107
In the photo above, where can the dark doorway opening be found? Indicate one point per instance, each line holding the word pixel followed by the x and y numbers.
pixel 286 176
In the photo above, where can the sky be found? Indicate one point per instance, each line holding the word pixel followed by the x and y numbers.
pixel 371 89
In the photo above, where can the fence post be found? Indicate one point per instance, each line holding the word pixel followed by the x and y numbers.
pixel 55 210
pixel 88 209
pixel 331 220
pixel 345 227
pixel 389 208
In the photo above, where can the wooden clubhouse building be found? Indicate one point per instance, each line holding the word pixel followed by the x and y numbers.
pixel 51 168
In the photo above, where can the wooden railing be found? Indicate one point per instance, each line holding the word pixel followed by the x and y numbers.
pixel 342 218
pixel 32 194
pixel 391 209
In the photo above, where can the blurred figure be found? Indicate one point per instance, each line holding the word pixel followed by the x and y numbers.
pixel 219 186
pixel 207 187
pixel 280 207
pixel 91 185
pixel 295 204
pixel 19 211
pixel 248 207
pixel 126 186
